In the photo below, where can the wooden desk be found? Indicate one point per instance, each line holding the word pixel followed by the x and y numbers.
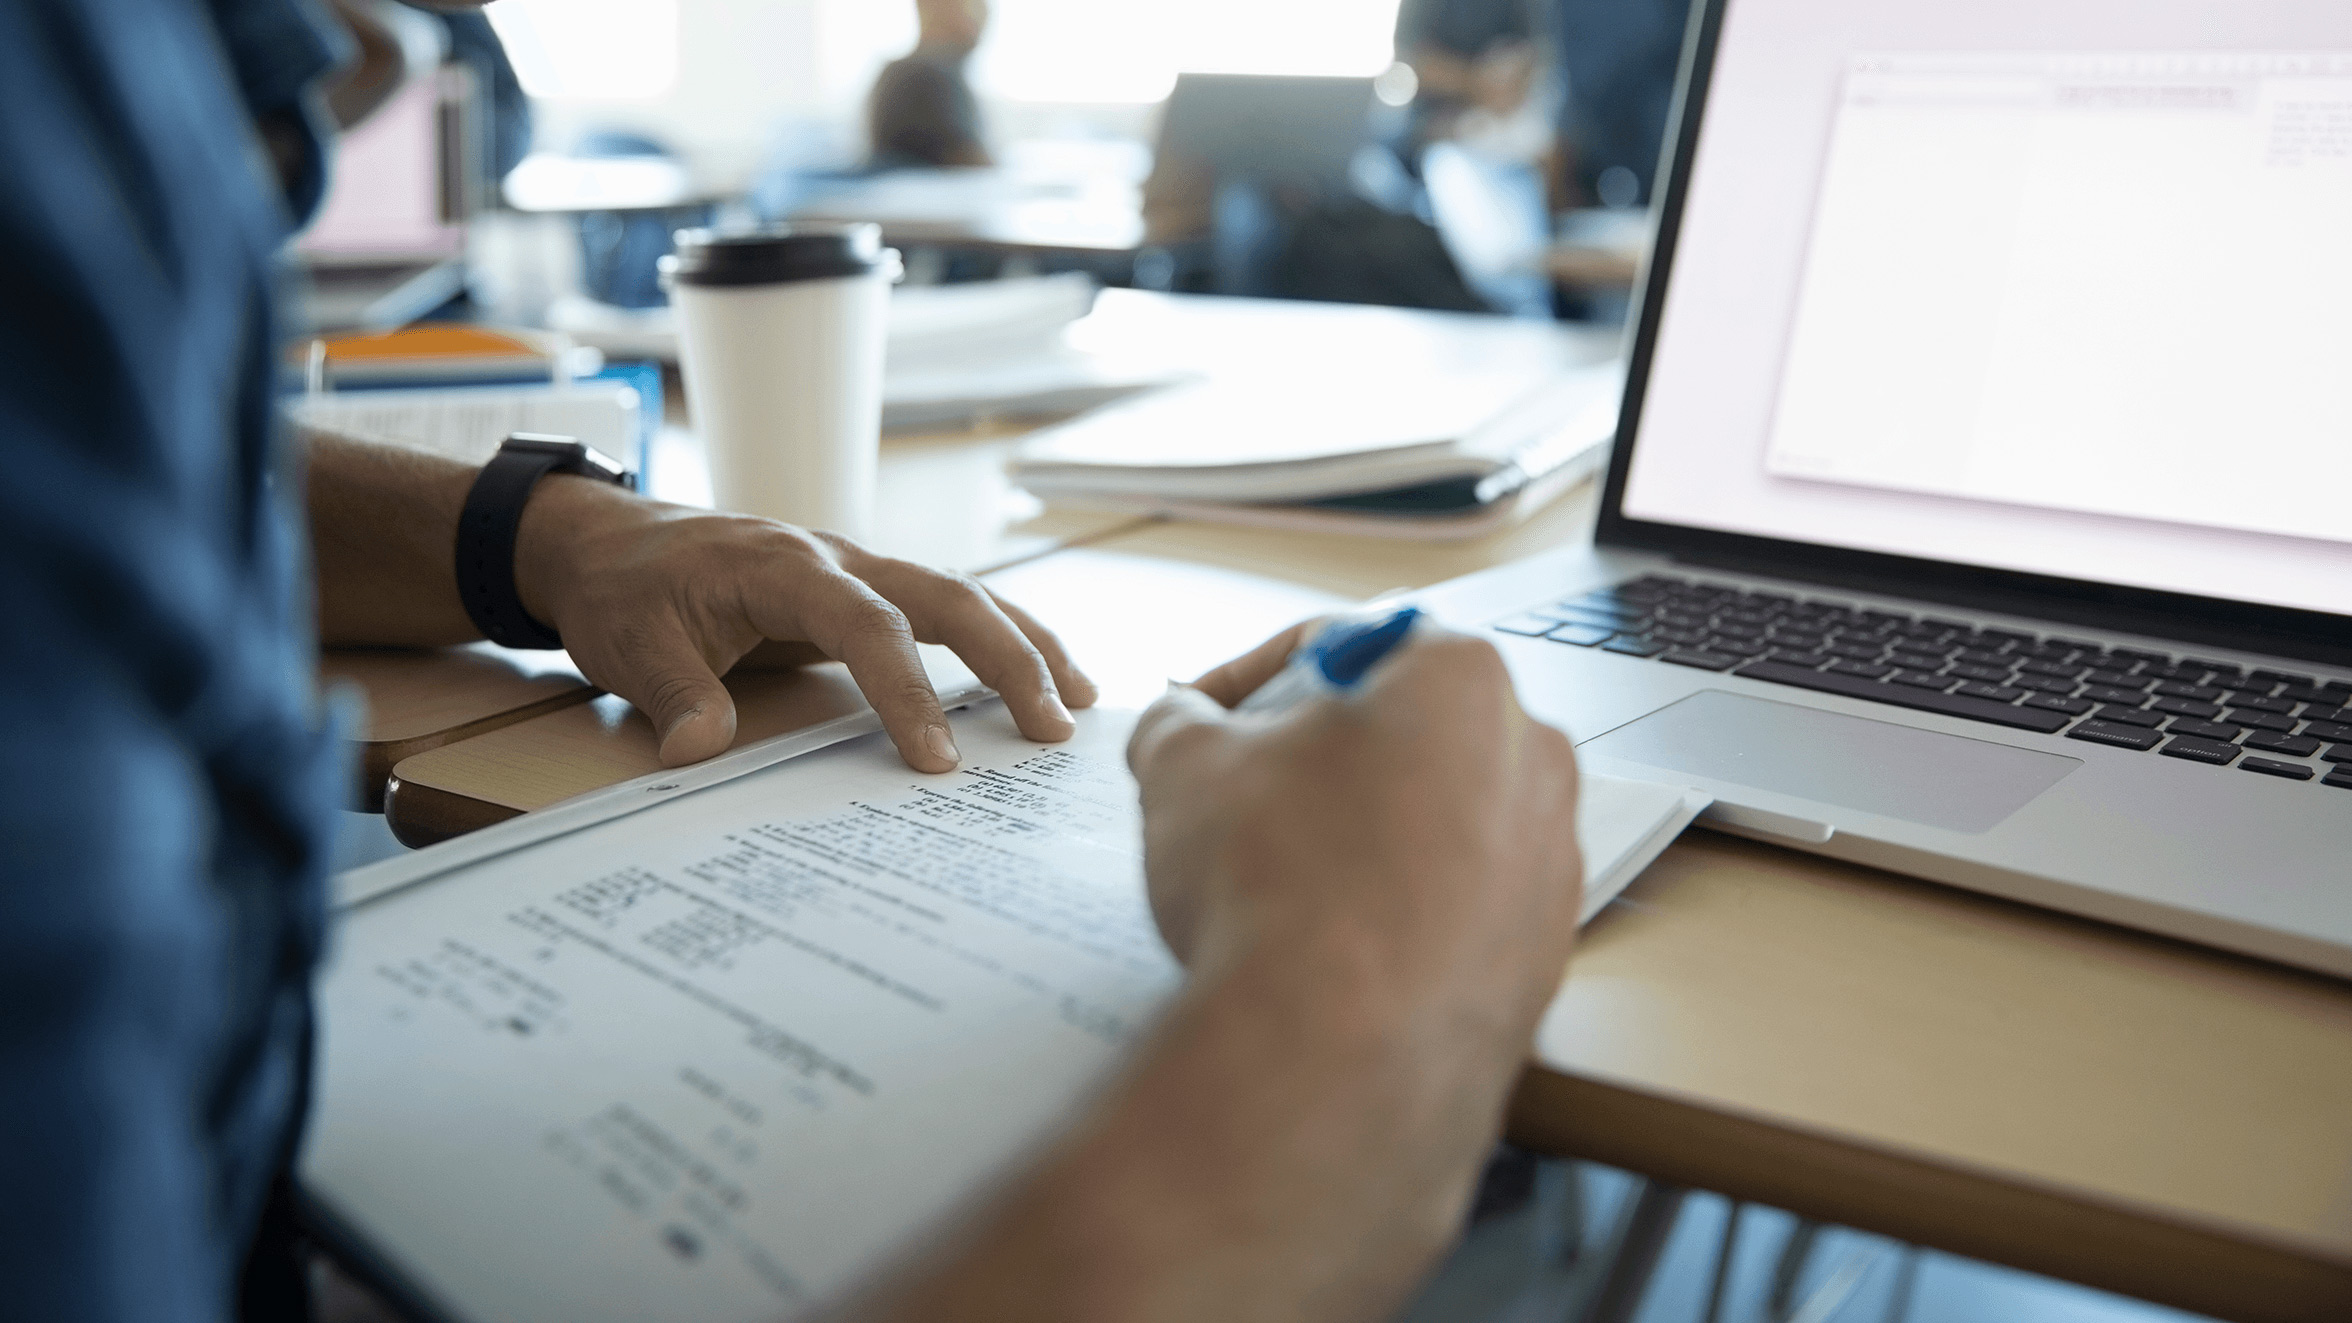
pixel 1862 1048
pixel 1978 1076
pixel 423 700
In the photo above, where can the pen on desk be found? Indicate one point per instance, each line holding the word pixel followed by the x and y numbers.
pixel 1335 660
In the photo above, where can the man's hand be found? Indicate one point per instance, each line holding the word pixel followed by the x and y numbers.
pixel 655 602
pixel 1376 896
pixel 1421 829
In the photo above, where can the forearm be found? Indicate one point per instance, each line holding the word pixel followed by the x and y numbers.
pixel 1296 1141
pixel 383 528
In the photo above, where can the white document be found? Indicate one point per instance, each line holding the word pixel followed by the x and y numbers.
pixel 716 1059
pixel 467 422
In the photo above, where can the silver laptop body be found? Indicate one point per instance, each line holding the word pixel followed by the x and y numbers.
pixel 1979 506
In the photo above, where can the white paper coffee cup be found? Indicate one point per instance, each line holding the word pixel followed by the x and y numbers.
pixel 780 337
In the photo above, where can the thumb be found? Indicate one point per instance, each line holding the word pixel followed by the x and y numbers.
pixel 1183 719
pixel 693 715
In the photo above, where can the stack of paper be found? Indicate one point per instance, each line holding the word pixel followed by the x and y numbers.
pixel 711 1046
pixel 1424 454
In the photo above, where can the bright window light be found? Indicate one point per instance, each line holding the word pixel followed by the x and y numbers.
pixel 591 50
pixel 1127 51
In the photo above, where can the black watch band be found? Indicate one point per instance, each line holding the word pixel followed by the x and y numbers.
pixel 493 516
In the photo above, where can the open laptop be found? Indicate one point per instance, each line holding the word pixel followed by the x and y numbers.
pixel 1276 129
pixel 1980 504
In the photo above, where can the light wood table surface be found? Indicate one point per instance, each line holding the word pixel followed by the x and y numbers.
pixel 1865 1049
pixel 1983 1077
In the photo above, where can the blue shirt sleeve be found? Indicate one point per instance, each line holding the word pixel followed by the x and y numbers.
pixel 164 791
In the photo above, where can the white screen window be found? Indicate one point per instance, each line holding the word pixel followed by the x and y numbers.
pixel 2118 284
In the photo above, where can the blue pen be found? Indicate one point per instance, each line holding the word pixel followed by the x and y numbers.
pixel 1335 660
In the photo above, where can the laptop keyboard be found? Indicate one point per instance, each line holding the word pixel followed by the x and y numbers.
pixel 2279 724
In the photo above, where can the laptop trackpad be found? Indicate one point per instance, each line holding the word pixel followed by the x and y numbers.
pixel 1920 776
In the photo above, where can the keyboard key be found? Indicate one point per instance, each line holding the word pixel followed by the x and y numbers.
pixel 1847 648
pixel 2279 678
pixel 2178 674
pixel 2205 730
pixel 2222 669
pixel 2263 720
pixel 1793 657
pixel 2118 679
pixel 2299 746
pixel 2115 733
pixel 2341 778
pixel 1634 645
pixel 1735 646
pixel 2131 716
pixel 2108 693
pixel 2060 670
pixel 2285 707
pixel 2338 753
pixel 2273 767
pixel 1956 705
pixel 2175 689
pixel 1583 636
pixel 2073 707
pixel 1532 626
pixel 2142 657
pixel 1678 633
pixel 1999 693
pixel 1981 674
pixel 1915 661
pixel 2338 715
pixel 2044 684
pixel 1705 661
pixel 1577 615
pixel 1607 603
pixel 2186 707
pixel 1921 680
pixel 1733 629
pixel 1861 670
pixel 2329 730
pixel 2304 693
pixel 2201 751
pixel 1982 657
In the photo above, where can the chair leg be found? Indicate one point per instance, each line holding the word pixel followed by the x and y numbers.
pixel 1781 1304
pixel 1725 1252
pixel 1906 1282
pixel 1635 1246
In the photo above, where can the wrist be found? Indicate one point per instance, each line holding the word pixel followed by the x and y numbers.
pixel 559 521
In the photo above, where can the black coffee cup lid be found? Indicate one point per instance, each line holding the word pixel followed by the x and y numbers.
pixel 774 254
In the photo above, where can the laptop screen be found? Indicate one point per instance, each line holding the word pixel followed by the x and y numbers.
pixel 2059 288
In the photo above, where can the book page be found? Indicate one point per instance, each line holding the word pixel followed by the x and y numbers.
pixel 714 1061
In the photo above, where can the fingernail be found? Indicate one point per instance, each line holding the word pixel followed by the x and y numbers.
pixel 680 720
pixel 1055 708
pixel 942 744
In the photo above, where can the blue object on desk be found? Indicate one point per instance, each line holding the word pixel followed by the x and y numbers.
pixel 1336 660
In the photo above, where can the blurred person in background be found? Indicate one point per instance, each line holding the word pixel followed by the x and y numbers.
pixel 1481 75
pixel 922 111
pixel 1620 59
pixel 1375 898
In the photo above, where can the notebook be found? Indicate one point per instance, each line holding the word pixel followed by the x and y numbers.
pixel 712 1044
pixel 1449 453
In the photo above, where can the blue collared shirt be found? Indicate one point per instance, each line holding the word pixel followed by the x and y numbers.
pixel 165 789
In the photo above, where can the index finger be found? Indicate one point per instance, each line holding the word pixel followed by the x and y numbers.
pixel 855 625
